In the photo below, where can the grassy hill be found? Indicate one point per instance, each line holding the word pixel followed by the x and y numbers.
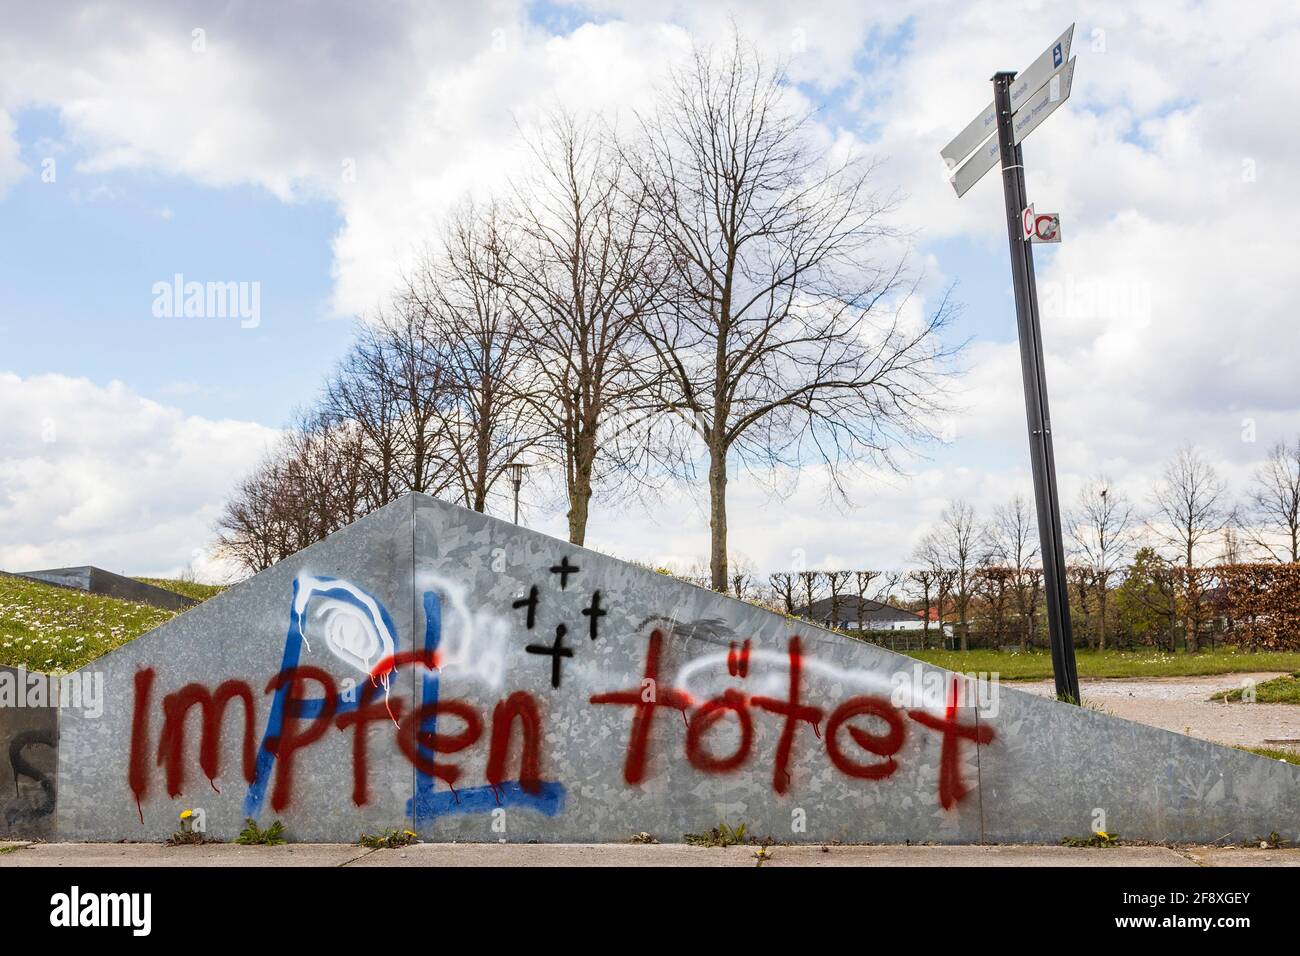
pixel 189 589
pixel 52 629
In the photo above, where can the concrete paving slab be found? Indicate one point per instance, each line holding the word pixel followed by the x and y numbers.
pixel 950 856
pixel 1244 856
pixel 558 854
pixel 155 855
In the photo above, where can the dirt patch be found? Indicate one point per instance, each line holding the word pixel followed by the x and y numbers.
pixel 1182 704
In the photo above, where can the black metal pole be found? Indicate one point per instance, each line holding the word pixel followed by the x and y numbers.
pixel 1042 460
pixel 517 482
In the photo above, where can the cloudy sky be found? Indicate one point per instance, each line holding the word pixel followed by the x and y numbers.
pixel 310 148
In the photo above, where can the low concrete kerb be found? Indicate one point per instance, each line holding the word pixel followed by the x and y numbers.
pixel 15 854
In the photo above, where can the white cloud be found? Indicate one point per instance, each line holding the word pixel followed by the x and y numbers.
pixel 96 474
pixel 11 167
pixel 1167 311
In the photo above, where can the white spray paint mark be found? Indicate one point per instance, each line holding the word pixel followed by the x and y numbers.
pixel 771 677
pixel 473 644
pixel 351 622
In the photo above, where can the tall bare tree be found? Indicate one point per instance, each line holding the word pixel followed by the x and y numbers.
pixel 1190 502
pixel 811 583
pixel 1101 531
pixel 861 585
pixel 959 545
pixel 470 324
pixel 586 273
pixel 425 396
pixel 923 581
pixel 783 338
pixel 363 394
pixel 1274 502
pixel 1190 508
pixel 996 583
pixel 836 582
pixel 1013 541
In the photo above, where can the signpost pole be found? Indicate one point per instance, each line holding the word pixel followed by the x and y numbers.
pixel 1040 424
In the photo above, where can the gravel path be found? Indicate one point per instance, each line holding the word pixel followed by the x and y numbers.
pixel 1183 705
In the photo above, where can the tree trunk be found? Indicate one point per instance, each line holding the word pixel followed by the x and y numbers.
pixel 718 518
pixel 943 636
pixel 1101 613
pixel 925 625
pixel 579 505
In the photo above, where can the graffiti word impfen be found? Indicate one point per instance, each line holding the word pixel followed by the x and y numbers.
pixel 307 717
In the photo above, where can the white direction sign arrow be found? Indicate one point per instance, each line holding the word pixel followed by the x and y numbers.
pixel 1027 81
pixel 1024 121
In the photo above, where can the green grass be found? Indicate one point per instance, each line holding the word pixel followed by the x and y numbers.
pixel 1279 690
pixel 1037 665
pixel 189 589
pixel 1290 756
pixel 44 628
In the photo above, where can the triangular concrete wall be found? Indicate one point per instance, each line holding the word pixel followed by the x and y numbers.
pixel 672 715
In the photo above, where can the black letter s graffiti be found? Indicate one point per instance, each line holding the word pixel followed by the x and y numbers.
pixel 17 812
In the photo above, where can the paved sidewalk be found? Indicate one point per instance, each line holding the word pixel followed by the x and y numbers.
pixel 671 854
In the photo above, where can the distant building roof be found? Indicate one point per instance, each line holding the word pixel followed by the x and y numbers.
pixel 873 612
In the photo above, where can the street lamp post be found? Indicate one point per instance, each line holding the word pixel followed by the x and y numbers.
pixel 516 478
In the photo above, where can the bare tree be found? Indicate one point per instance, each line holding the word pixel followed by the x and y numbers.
pixel 743 579
pixel 1190 508
pixel 923 580
pixel 811 582
pixel 836 581
pixel 996 582
pixel 1233 550
pixel 1013 542
pixel 958 545
pixel 1032 598
pixel 420 380
pixel 1101 531
pixel 585 273
pixel 1190 504
pixel 248 530
pixel 783 584
pixel 1083 579
pixel 308 486
pixel 469 323
pixel 363 394
pixel 783 338
pixel 889 582
pixel 1274 502
pixel 862 583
